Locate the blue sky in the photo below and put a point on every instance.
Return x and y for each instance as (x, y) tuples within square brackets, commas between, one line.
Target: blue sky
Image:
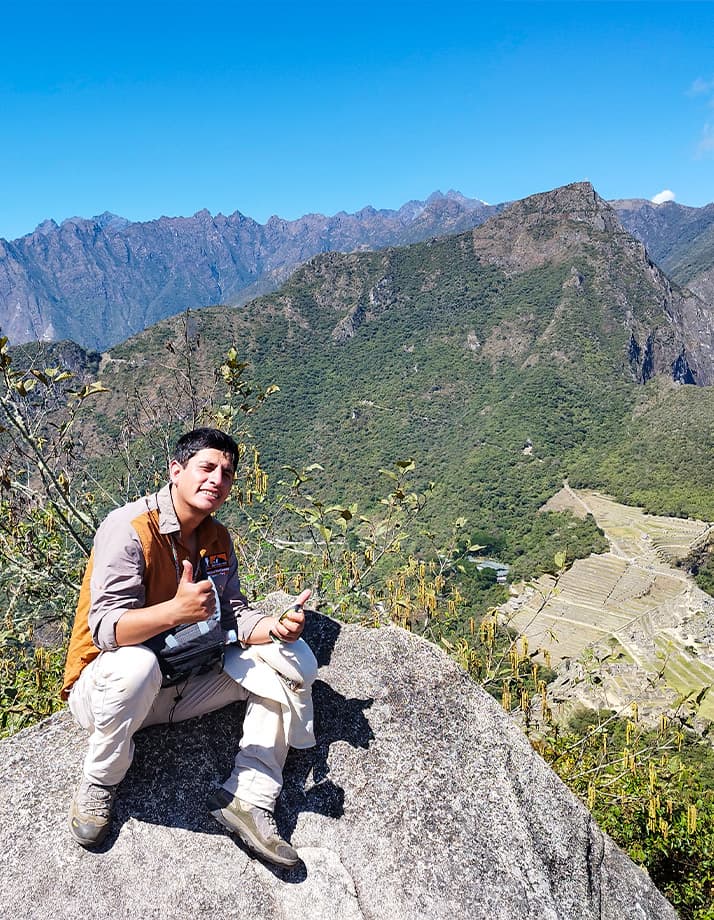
[(157, 108)]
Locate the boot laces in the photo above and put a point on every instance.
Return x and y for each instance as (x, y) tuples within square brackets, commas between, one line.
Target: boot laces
[(265, 822), (95, 800)]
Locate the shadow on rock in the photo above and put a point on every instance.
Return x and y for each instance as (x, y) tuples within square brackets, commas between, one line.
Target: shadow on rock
[(176, 766), (308, 786), (321, 635)]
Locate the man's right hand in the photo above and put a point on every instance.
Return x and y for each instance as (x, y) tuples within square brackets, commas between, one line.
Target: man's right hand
[(193, 601), (196, 600)]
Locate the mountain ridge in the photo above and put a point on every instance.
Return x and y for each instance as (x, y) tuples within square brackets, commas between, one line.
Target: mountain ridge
[(97, 281), (100, 280)]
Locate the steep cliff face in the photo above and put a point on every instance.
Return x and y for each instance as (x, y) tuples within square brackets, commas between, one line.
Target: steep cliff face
[(100, 281), (681, 240), (421, 799)]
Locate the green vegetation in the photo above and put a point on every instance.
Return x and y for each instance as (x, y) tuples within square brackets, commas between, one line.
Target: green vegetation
[(652, 791), (662, 459), (30, 680), (498, 387), (705, 576)]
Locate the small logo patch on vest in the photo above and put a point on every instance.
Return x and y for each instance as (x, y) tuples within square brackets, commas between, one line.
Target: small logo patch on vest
[(217, 564)]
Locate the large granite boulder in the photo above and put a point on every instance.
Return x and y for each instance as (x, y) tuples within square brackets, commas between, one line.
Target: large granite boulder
[(421, 800)]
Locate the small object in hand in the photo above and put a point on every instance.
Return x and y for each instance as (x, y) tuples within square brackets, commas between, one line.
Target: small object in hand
[(283, 616)]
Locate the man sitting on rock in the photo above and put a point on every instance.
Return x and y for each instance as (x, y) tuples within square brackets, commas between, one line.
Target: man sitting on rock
[(163, 633)]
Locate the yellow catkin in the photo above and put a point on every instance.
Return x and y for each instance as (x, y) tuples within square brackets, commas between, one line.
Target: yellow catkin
[(591, 796), (652, 776), (691, 819), (41, 664), (635, 711)]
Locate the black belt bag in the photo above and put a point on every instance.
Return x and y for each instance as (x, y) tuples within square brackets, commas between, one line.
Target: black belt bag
[(193, 648)]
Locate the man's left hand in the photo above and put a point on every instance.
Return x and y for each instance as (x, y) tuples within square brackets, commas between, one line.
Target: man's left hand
[(291, 624)]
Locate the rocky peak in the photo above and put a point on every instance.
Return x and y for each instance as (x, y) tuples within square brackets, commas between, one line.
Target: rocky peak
[(47, 226), (107, 220), (670, 332), (544, 228)]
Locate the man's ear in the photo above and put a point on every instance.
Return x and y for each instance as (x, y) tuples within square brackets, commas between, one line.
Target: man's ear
[(174, 470)]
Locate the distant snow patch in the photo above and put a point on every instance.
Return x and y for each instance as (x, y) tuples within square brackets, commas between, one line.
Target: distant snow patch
[(661, 197)]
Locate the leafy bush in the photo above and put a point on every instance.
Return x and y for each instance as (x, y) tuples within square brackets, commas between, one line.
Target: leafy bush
[(652, 791)]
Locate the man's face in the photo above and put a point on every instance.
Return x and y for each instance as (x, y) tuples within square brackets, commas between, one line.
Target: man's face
[(203, 484)]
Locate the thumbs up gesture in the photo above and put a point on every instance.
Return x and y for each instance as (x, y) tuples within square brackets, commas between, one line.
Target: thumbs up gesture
[(196, 600)]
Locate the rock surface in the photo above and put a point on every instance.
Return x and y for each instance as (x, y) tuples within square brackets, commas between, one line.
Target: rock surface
[(421, 800)]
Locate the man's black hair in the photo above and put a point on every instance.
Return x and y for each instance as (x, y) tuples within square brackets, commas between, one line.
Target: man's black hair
[(190, 443)]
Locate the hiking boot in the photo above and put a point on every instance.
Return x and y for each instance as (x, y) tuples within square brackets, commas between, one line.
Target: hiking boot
[(91, 812), (255, 826)]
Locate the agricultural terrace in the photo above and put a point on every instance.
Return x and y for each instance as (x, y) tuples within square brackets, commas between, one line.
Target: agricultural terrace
[(628, 612)]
